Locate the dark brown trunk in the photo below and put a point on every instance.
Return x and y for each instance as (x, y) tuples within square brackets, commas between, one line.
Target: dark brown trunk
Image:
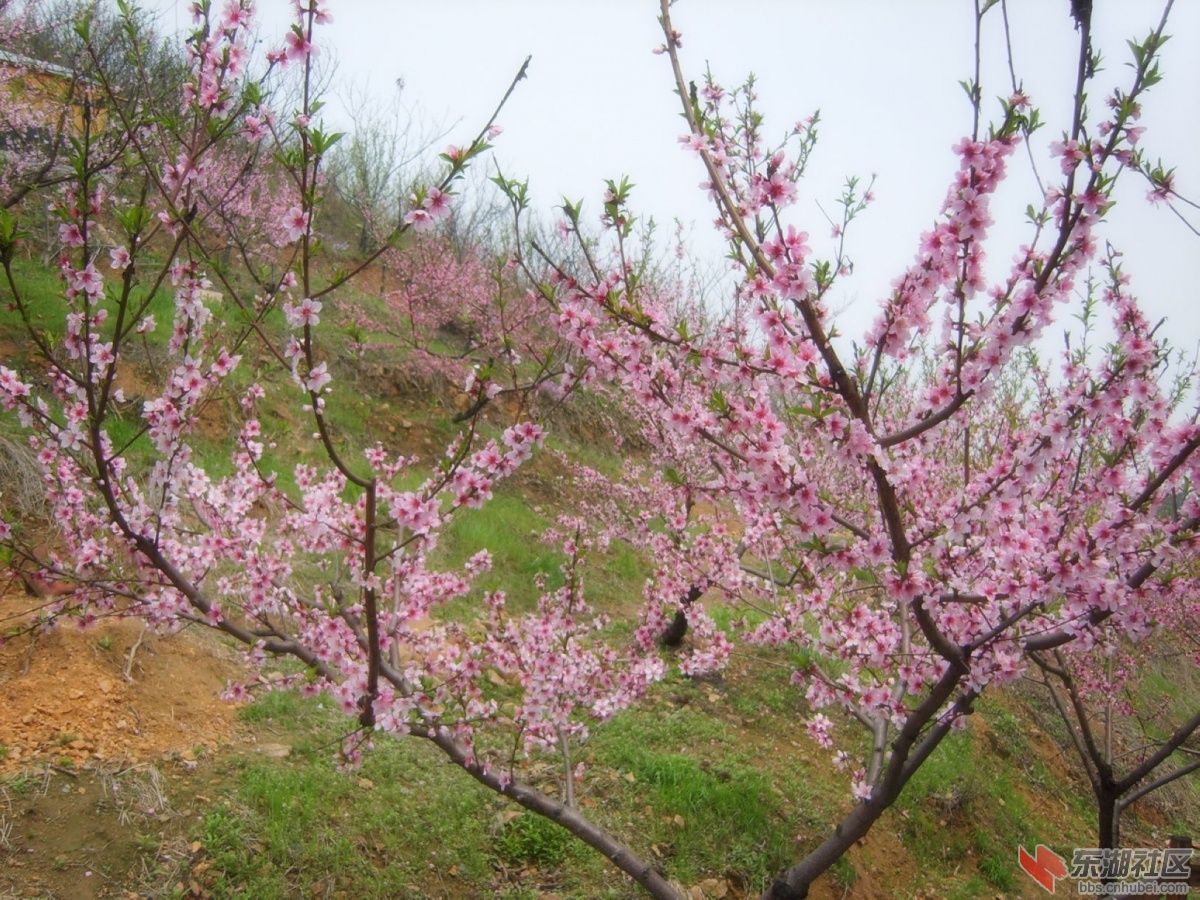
[(675, 632), (1106, 825), (673, 636)]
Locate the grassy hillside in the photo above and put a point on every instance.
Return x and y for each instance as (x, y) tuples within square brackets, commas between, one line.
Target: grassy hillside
[(714, 777)]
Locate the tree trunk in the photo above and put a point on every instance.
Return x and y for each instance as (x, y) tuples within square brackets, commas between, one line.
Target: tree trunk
[(1106, 825), (673, 636), (910, 750), (794, 883)]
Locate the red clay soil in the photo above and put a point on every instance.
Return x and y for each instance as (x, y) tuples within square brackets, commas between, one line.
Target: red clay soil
[(64, 698)]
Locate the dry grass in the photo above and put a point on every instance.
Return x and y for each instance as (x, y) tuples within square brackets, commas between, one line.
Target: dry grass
[(22, 495)]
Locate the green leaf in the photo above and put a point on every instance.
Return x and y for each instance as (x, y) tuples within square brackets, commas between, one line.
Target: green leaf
[(8, 227), (9, 234), (321, 142), (133, 220)]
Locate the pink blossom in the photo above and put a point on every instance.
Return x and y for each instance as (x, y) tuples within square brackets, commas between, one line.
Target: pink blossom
[(437, 203), (298, 47), (255, 128), (70, 234), (295, 223), (1071, 152), (88, 280), (303, 314), (318, 378), (419, 219)]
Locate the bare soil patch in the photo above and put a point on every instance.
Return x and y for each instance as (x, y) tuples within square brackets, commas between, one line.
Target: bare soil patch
[(64, 697), (99, 778)]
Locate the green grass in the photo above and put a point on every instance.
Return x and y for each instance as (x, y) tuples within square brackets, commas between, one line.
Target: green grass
[(509, 530), (297, 826), (42, 292), (620, 574), (673, 781), (1007, 734), (720, 815), (286, 705), (843, 874), (963, 807), (532, 840), (706, 805), (22, 783)]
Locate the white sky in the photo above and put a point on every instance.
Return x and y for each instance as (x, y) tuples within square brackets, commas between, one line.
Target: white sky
[(884, 74)]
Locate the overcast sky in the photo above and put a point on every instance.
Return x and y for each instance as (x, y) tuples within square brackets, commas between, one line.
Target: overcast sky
[(599, 104)]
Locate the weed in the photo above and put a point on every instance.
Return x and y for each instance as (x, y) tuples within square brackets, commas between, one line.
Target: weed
[(223, 832), (972, 888), (66, 738), (1007, 734), (21, 784), (519, 893), (105, 643), (1040, 777), (997, 869), (765, 694), (843, 873), (532, 840), (273, 705)]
